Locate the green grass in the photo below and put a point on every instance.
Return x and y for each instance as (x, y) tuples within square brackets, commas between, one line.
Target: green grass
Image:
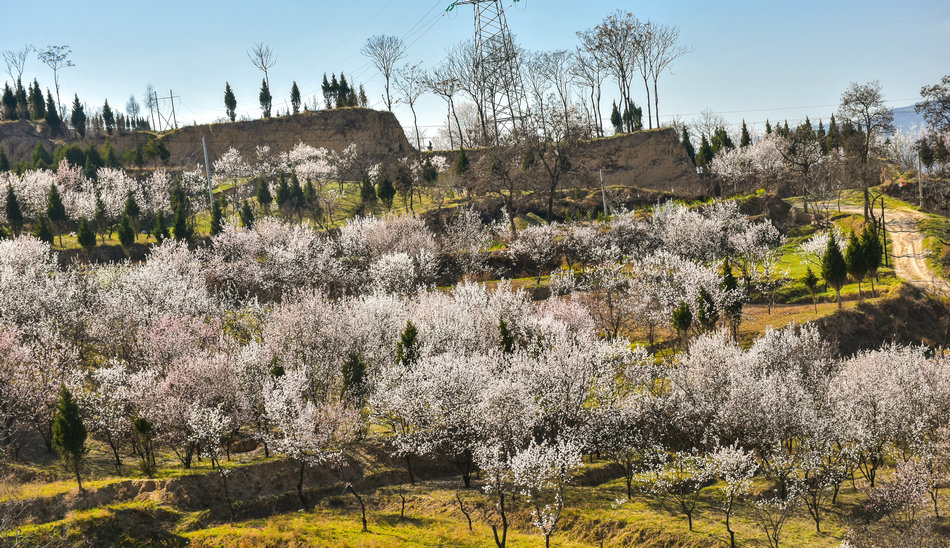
[(936, 230)]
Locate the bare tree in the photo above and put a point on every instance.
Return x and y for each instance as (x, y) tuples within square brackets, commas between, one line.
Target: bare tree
[(644, 47), (410, 83), (707, 123), (864, 106), (461, 64), (151, 102), (16, 61), (590, 71), (538, 86), (556, 67), (263, 58), (132, 108), (57, 57), (665, 49), (617, 37), (385, 51), (441, 82)]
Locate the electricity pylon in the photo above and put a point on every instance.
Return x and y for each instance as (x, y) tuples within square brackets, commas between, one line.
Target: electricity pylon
[(497, 66)]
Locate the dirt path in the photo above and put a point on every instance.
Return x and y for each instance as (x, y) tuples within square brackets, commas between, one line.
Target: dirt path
[(907, 248)]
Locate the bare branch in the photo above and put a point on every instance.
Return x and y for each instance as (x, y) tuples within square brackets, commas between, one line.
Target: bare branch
[(385, 51)]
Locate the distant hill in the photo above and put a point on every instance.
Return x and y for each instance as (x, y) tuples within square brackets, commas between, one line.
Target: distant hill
[(906, 119)]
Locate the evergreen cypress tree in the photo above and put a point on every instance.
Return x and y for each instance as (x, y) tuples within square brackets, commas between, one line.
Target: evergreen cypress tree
[(705, 154), (37, 104), (43, 232), (364, 102), (216, 218), (367, 195), (180, 229), (295, 98), (85, 235), (56, 212), (230, 103), (283, 193), (93, 161), (633, 117), (110, 158), (247, 216), (265, 98), (41, 158), (616, 119), (100, 218), (177, 199), (746, 139), (264, 197), (682, 320), (721, 141), (4, 161), (296, 201), (354, 380), (407, 351), (52, 118), (160, 231), (833, 268), (506, 340), (311, 200), (385, 191), (132, 209), (811, 282), (343, 93), (14, 212), (8, 103), (461, 163), (69, 434), (768, 128), (856, 259), (22, 106), (334, 93), (108, 117), (126, 234), (688, 145), (327, 92), (78, 117), (833, 138)]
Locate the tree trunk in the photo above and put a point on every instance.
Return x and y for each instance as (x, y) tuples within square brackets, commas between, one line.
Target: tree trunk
[(500, 543), (412, 479), (359, 499), (303, 500)]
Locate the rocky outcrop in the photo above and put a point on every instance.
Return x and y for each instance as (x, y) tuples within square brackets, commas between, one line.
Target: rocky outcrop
[(377, 134)]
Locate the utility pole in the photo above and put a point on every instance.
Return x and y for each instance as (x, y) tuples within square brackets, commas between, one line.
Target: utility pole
[(169, 121), (159, 112), (171, 96), (204, 145), (884, 232)]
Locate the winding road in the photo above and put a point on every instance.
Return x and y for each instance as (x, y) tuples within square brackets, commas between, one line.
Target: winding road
[(907, 248)]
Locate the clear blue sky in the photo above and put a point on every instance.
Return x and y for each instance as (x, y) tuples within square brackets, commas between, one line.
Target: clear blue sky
[(752, 60)]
